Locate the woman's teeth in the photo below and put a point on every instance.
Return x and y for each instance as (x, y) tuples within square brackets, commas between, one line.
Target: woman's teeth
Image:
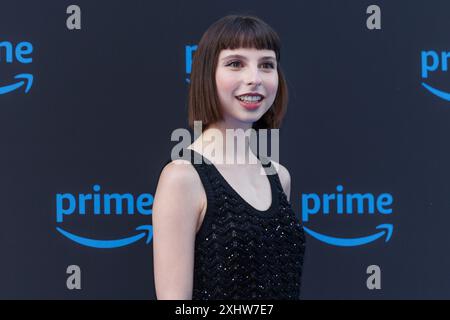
[(249, 98)]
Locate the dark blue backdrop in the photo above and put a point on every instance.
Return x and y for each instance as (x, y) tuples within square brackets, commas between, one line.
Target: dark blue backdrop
[(106, 98)]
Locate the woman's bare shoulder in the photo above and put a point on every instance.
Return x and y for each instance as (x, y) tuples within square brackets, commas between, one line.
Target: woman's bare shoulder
[(180, 173), (179, 170), (180, 181)]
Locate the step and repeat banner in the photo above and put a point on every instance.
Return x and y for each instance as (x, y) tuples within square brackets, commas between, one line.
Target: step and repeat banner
[(90, 92)]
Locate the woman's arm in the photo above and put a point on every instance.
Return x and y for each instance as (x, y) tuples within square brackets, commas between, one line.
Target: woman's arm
[(176, 209)]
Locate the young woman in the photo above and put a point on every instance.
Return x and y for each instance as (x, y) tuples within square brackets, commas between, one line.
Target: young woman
[(226, 231)]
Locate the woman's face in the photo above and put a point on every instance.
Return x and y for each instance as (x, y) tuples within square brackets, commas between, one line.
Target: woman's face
[(249, 74)]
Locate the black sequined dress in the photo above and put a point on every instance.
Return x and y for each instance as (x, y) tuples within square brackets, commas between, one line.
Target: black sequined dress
[(242, 252)]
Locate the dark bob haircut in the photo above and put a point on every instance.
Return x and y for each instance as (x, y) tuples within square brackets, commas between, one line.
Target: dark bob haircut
[(231, 32)]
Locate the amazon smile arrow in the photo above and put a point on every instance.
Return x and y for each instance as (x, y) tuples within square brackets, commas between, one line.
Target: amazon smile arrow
[(27, 79), (441, 94), (352, 242), (147, 230)]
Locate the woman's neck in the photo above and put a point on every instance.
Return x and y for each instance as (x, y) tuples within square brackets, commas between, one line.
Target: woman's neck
[(227, 144)]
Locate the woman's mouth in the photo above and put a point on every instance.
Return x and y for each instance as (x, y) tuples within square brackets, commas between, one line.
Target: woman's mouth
[(250, 102)]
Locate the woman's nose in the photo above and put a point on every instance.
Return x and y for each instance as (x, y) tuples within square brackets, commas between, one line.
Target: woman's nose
[(253, 77)]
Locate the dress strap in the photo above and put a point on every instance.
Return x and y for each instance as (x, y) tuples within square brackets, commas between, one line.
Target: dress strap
[(271, 172)]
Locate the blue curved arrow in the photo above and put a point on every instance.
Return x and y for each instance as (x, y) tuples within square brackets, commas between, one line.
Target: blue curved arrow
[(28, 78), (108, 244), (351, 242), (441, 94)]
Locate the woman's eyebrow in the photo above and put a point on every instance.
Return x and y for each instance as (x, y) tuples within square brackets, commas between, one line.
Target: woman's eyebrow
[(238, 56)]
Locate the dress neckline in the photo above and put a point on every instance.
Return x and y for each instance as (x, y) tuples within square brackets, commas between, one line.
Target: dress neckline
[(270, 177)]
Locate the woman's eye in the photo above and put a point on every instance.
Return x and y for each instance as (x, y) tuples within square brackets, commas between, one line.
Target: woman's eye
[(234, 64), (269, 65)]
